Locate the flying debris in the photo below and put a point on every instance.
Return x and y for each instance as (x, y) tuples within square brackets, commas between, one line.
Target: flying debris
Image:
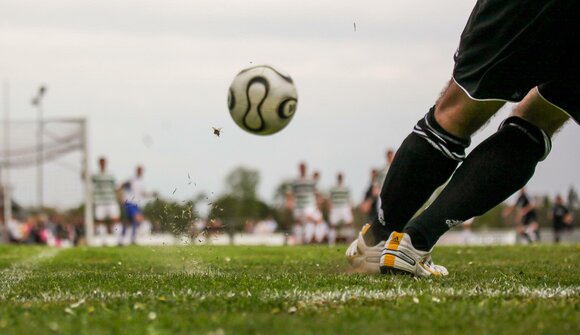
[(216, 131)]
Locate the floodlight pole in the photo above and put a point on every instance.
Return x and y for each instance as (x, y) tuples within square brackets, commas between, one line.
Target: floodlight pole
[(37, 101)]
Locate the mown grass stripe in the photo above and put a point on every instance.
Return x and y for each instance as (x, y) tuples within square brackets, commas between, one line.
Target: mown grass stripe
[(20, 271), (320, 296)]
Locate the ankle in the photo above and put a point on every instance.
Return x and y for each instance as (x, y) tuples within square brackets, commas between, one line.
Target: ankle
[(376, 233), (418, 240)]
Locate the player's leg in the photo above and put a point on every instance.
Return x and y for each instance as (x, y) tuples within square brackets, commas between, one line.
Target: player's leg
[(130, 213), (298, 228), (535, 231), (521, 229), (101, 232), (425, 160), (485, 178), (348, 227), (321, 232), (321, 235), (332, 235), (497, 168), (122, 234), (108, 222), (135, 223), (297, 233), (115, 214), (308, 232), (334, 221), (557, 230), (533, 228), (100, 227), (428, 157)]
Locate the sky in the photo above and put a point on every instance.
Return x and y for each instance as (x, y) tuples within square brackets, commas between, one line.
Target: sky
[(151, 77)]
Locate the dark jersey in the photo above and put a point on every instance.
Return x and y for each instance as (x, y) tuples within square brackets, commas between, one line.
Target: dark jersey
[(559, 213), (522, 202), (373, 214), (369, 193)]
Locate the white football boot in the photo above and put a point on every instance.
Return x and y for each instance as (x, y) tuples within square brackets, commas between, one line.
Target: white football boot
[(363, 258), (399, 256)]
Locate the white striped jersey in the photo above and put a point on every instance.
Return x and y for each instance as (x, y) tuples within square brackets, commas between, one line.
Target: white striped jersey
[(304, 191), (339, 197), (104, 189)]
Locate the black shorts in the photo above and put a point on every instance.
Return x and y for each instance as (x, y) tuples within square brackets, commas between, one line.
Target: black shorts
[(559, 225), (509, 47), (529, 218)]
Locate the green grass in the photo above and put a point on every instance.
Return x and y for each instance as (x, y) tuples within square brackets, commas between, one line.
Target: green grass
[(299, 290)]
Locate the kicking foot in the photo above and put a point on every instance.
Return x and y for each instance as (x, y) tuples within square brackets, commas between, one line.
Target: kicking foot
[(400, 257), (363, 258)]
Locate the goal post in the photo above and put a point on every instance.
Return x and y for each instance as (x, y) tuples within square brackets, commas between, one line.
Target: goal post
[(27, 144)]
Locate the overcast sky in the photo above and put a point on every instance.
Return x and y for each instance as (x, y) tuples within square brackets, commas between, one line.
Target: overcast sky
[(152, 79)]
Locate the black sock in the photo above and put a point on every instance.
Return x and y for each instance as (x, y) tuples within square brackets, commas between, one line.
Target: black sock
[(425, 160), (497, 168)]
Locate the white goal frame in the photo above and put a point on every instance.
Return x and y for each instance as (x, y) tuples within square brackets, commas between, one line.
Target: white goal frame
[(6, 164)]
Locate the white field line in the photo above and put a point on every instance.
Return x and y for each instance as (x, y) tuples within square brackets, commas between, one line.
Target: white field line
[(317, 297), (18, 272), (198, 268)]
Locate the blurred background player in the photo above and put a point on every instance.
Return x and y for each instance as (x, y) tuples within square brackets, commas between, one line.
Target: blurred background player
[(301, 199), (382, 173), (380, 180), (107, 212), (527, 225), (573, 199), (321, 201), (561, 218), (368, 206), (340, 218), (134, 196), (321, 228)]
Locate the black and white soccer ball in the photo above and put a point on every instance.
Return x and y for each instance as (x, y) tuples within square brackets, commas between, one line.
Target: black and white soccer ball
[(262, 99)]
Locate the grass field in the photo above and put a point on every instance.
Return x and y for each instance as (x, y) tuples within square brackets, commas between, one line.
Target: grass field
[(299, 290)]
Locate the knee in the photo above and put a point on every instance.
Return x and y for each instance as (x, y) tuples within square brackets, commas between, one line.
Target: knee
[(541, 113), (461, 115)]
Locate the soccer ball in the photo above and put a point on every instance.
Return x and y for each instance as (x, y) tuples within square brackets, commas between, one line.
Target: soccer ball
[(262, 100)]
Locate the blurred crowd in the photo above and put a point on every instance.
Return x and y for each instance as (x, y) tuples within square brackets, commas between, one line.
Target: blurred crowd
[(308, 214), (44, 229)]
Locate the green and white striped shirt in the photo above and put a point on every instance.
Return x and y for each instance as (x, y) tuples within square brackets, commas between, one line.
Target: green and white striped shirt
[(104, 189), (304, 191), (339, 197)]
